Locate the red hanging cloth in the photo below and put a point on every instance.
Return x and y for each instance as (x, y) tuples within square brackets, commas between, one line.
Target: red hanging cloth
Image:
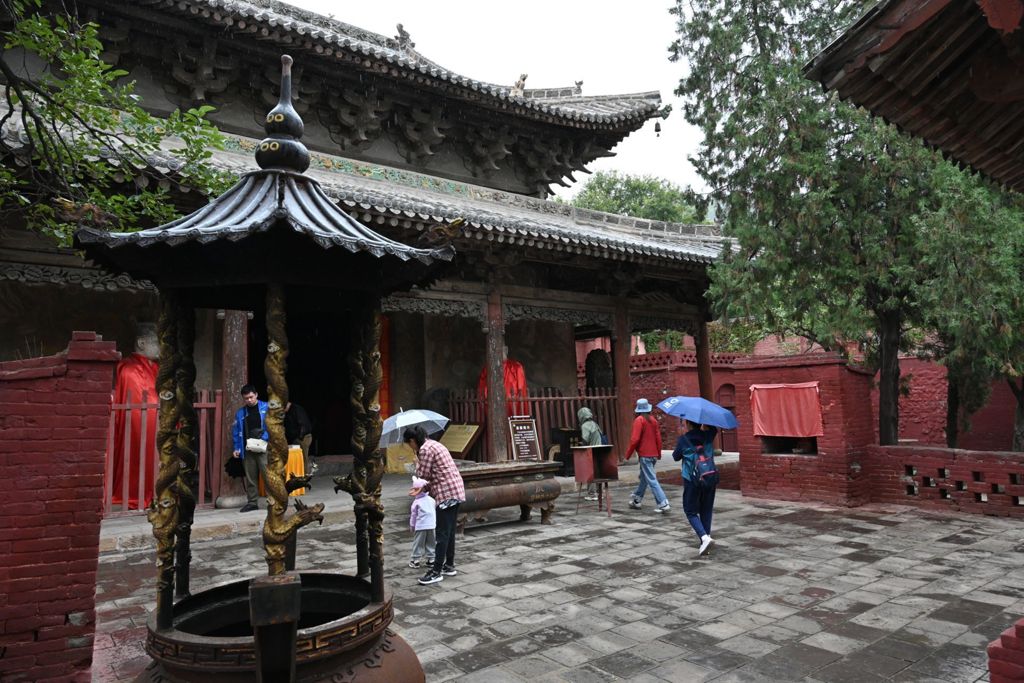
[(136, 374), (786, 409), (515, 386)]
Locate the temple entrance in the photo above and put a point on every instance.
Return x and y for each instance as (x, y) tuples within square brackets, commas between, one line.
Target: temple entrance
[(318, 378)]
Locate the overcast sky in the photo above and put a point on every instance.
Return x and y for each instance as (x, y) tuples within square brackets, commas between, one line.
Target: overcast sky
[(613, 47)]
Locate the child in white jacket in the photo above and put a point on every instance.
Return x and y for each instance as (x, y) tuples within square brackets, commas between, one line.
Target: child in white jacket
[(422, 522)]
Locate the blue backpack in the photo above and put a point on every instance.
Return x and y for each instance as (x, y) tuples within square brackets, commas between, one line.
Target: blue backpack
[(703, 473)]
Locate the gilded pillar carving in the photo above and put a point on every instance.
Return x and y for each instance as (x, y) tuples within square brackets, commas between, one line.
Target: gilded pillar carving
[(185, 446), (364, 483), (163, 512), (277, 529)]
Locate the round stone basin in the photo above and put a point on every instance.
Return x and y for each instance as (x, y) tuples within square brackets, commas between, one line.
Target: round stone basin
[(339, 628)]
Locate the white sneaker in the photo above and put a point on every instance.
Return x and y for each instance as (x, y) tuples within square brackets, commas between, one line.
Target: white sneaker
[(705, 544), (590, 496), (663, 508), (634, 503)]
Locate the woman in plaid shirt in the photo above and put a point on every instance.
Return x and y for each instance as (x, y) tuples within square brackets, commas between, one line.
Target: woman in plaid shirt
[(434, 463)]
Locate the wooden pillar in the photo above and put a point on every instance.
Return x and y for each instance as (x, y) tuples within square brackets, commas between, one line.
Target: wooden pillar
[(621, 351), (704, 381), (497, 412), (234, 374)]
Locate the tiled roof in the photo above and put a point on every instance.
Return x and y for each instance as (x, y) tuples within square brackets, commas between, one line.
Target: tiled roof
[(491, 215), (294, 26)]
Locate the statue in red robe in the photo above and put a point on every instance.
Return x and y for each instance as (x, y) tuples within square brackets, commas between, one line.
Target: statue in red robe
[(515, 386), (135, 379)]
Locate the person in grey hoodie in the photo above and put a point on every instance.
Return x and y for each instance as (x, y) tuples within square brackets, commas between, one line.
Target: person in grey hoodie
[(590, 435)]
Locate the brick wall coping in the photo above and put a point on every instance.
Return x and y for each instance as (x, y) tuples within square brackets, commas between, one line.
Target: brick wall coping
[(924, 450), (84, 346), (755, 362)]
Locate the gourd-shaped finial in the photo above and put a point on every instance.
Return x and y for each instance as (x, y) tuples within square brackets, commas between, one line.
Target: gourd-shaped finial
[(281, 149)]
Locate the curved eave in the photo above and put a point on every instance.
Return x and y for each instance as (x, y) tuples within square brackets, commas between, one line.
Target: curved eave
[(258, 201)]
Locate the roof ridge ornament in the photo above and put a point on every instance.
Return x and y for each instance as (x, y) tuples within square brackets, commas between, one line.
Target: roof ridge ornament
[(282, 148)]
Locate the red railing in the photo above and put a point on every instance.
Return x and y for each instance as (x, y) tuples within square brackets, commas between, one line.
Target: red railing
[(137, 465), (547, 406)]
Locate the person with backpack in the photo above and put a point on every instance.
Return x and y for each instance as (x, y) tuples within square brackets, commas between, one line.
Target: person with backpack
[(645, 441), (700, 478)]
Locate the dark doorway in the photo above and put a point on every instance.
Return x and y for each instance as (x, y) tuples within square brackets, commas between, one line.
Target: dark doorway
[(318, 377)]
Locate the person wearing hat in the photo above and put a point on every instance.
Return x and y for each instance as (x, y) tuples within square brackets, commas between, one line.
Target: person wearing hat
[(645, 441), (422, 522)]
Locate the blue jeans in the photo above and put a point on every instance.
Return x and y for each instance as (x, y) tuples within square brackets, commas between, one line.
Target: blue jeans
[(698, 503), (647, 478)]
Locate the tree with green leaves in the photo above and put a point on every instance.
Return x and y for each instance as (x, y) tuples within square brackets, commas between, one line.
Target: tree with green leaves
[(821, 197), (973, 297), (639, 196), (71, 124)]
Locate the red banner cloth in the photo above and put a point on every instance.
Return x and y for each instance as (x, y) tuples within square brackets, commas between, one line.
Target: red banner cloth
[(786, 409)]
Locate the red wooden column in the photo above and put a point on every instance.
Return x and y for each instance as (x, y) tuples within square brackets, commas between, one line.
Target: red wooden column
[(704, 381), (497, 423), (234, 374), (621, 351)]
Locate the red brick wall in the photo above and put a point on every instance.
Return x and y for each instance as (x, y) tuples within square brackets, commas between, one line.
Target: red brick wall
[(53, 422), (836, 474), (982, 482), (923, 410), (1006, 655)]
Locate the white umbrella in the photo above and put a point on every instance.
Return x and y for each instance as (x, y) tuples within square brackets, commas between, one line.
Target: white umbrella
[(395, 426)]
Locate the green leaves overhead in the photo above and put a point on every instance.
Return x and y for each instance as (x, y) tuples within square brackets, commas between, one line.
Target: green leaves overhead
[(75, 135)]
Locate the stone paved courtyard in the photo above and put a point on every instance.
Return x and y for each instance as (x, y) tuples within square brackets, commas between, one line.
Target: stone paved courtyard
[(791, 592)]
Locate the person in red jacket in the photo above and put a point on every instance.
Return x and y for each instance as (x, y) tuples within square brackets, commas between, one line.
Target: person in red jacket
[(645, 441)]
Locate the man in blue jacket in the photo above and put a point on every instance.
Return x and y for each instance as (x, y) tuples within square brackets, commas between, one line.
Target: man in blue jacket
[(250, 429)]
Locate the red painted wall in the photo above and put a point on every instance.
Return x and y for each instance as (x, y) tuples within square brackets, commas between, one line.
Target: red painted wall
[(923, 410), (53, 419)]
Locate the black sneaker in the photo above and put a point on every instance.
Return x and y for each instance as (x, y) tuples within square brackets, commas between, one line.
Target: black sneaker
[(248, 507), (448, 571), (431, 577)]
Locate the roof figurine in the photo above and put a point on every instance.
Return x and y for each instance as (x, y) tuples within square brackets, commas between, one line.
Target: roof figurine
[(519, 87)]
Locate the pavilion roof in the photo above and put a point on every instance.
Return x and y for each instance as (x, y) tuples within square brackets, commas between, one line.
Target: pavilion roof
[(292, 27), (939, 71)]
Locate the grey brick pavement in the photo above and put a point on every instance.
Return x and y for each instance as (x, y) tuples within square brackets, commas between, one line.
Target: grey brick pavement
[(791, 592)]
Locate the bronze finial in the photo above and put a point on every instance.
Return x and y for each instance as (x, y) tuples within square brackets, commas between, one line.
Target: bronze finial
[(281, 149)]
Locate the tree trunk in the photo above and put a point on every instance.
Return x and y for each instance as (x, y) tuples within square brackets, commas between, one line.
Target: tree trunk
[(890, 325), (952, 410), (1017, 387)]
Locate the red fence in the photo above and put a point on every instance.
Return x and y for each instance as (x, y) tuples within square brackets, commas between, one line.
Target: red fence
[(546, 406), (130, 468)]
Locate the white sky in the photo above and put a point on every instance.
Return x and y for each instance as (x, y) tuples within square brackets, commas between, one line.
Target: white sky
[(614, 47)]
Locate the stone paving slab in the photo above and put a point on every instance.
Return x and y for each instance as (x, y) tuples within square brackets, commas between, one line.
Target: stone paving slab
[(790, 592)]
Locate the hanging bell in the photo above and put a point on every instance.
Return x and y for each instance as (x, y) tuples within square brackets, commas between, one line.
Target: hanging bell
[(657, 129)]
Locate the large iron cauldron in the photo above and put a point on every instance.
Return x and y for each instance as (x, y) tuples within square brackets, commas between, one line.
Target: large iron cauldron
[(342, 637)]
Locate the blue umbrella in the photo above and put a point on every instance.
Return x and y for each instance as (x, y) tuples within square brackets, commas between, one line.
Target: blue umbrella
[(698, 411)]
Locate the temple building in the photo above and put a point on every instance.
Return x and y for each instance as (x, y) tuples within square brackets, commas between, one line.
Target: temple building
[(422, 155)]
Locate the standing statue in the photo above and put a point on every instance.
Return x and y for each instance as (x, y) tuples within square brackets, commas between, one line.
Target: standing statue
[(135, 378)]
